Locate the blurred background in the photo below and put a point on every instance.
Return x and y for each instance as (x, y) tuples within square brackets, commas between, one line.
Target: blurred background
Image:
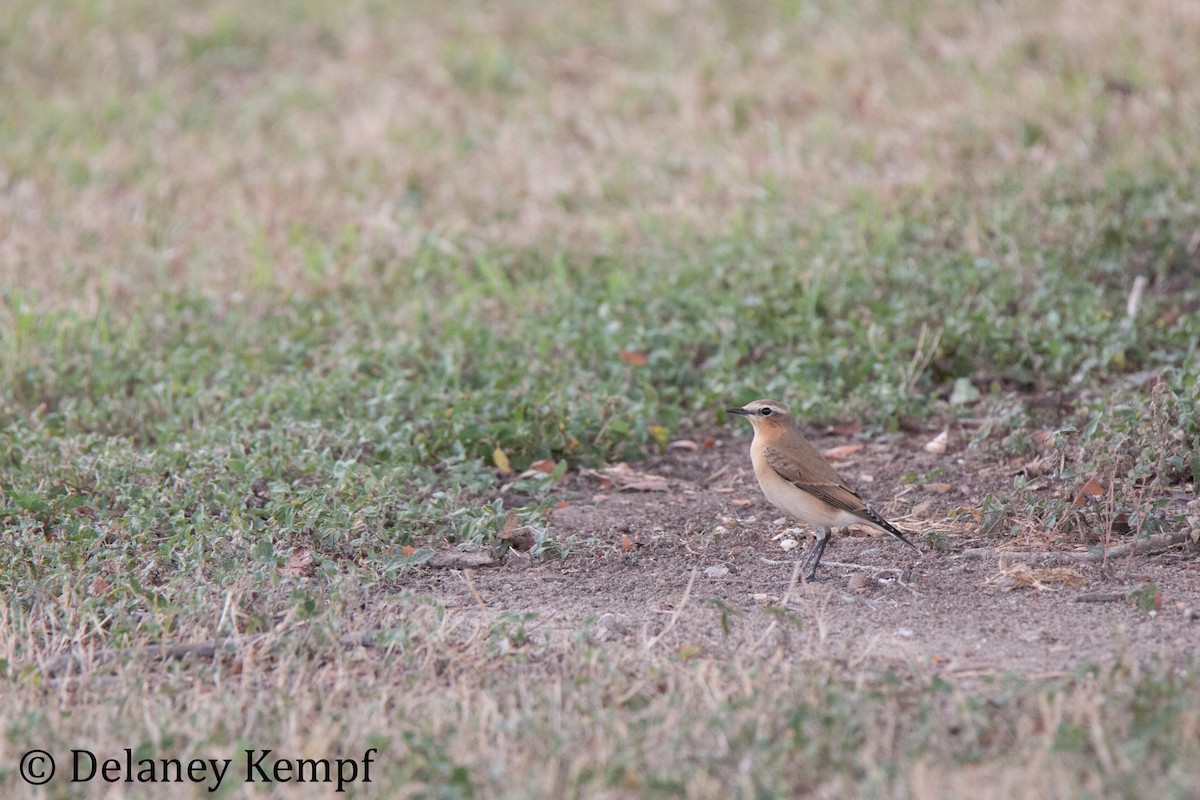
[(218, 147)]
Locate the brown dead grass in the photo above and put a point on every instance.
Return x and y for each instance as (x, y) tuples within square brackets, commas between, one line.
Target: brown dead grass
[(228, 148)]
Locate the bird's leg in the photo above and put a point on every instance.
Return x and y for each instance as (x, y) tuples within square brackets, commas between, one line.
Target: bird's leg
[(814, 555)]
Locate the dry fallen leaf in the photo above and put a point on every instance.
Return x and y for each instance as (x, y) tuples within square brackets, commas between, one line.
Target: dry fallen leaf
[(1039, 466), (1093, 488), (299, 563), (500, 459), (842, 452), (1043, 438), (682, 444), (627, 480), (99, 587), (937, 445), (1023, 576), (976, 514), (544, 467), (626, 544), (519, 540), (407, 550), (634, 358), (709, 443), (740, 502), (937, 488)]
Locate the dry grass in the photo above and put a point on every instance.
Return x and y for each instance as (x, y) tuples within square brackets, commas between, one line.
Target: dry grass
[(231, 147), (468, 703)]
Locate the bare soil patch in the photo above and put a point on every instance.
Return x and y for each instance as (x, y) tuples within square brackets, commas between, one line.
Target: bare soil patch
[(951, 612)]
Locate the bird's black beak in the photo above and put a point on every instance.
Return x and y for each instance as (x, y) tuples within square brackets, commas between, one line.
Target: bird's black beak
[(741, 411)]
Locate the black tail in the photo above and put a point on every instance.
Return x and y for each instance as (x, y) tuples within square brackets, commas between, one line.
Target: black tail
[(870, 515)]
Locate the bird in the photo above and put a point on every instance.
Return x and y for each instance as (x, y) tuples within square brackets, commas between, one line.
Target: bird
[(797, 480)]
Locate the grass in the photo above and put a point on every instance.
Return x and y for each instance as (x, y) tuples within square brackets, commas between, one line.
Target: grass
[(614, 720), (287, 281)]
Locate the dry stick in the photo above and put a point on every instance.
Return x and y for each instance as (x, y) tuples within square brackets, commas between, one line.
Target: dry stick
[(683, 601), (1101, 597), (1155, 544), (466, 576), (74, 663), (791, 584), (851, 565), (716, 475), (484, 617)]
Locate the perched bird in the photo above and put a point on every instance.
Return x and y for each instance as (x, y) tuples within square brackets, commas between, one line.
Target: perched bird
[(798, 480)]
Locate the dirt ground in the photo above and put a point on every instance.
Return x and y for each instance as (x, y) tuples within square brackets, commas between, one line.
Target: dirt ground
[(952, 611)]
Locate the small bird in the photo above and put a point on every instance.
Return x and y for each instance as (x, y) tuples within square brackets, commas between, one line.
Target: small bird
[(798, 480)]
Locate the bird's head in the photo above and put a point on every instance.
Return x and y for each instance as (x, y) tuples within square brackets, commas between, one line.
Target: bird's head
[(765, 414)]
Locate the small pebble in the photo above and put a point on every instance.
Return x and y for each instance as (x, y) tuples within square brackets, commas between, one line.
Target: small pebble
[(718, 571)]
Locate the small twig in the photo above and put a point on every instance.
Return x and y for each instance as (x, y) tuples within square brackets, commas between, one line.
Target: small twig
[(791, 587), (683, 601), (1157, 543), (1049, 557), (466, 576), (851, 565), (1154, 544), (716, 475), (74, 663), (1101, 597)]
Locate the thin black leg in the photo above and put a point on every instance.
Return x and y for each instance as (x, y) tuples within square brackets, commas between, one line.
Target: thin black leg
[(814, 555)]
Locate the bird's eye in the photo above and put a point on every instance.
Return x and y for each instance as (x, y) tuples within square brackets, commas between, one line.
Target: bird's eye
[(766, 412)]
